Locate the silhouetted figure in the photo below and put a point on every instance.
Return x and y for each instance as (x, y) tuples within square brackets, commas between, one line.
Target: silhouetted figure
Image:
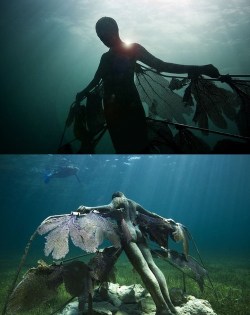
[(123, 109), (61, 172), (134, 243)]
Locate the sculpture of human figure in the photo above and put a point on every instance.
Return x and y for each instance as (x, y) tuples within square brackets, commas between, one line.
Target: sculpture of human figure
[(123, 109), (125, 211)]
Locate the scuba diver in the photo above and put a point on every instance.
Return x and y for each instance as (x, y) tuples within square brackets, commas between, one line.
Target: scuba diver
[(123, 110), (127, 214), (60, 172)]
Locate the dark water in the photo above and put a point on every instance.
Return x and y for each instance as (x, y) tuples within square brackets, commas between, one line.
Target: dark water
[(208, 194)]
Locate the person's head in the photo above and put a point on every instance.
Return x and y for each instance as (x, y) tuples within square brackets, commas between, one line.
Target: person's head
[(118, 194), (107, 30), (119, 200)]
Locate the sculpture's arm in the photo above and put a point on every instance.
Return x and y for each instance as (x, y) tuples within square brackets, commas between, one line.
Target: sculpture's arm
[(106, 211), (161, 66), (179, 232), (141, 210), (102, 209)]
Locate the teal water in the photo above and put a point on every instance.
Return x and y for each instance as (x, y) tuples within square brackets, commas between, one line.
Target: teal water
[(208, 194)]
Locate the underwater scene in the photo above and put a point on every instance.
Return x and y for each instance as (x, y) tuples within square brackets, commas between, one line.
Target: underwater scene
[(192, 212), (179, 70)]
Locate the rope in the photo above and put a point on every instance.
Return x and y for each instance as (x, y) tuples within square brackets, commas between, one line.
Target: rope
[(199, 255), (76, 257), (176, 266), (209, 79), (201, 129), (66, 125)]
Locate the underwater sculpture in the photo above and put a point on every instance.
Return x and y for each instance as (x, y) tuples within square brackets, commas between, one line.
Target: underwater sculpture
[(122, 104), (168, 129), (115, 101), (127, 225)]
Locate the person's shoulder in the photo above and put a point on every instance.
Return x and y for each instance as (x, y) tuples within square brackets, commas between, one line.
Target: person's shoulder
[(134, 203), (137, 48), (104, 55), (104, 58)]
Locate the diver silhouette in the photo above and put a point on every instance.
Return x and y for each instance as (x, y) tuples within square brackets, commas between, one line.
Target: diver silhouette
[(61, 172), (123, 110), (126, 212)]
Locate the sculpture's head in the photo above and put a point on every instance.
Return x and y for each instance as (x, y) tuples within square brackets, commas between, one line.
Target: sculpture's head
[(119, 200), (118, 194), (107, 30)]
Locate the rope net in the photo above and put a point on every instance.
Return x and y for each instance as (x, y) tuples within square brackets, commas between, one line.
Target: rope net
[(183, 114)]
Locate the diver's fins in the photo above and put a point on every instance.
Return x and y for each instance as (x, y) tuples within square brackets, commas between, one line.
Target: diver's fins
[(47, 178), (78, 179)]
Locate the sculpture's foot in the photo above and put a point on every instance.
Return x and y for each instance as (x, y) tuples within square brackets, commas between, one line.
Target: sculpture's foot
[(172, 309), (164, 312)]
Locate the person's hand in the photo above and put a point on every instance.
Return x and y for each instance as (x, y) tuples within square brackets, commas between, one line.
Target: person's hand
[(80, 96), (117, 213), (82, 209), (210, 71), (170, 221), (76, 213)]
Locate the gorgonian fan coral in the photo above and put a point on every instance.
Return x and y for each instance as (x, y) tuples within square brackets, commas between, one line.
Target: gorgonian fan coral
[(86, 232)]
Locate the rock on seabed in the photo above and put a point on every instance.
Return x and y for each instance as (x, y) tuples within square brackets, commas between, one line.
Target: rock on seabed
[(134, 300), (195, 307)]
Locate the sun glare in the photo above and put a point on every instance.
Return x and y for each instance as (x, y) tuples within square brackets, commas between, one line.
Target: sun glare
[(127, 42)]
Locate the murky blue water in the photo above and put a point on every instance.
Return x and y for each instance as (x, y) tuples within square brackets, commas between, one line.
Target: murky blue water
[(208, 194)]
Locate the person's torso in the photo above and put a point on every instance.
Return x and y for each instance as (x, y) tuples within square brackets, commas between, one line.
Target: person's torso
[(118, 67), (129, 214)]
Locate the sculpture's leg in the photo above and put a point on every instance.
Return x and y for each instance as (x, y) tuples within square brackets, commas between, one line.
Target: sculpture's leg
[(81, 303), (158, 274), (139, 263)]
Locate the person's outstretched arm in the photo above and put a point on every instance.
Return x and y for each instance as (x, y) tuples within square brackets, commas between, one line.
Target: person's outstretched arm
[(144, 56), (106, 211), (102, 209), (141, 210), (178, 231)]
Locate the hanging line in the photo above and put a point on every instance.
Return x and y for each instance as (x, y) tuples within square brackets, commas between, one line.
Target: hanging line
[(12, 286), (178, 268), (209, 79), (69, 120), (202, 263), (71, 259), (200, 129), (66, 124)]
